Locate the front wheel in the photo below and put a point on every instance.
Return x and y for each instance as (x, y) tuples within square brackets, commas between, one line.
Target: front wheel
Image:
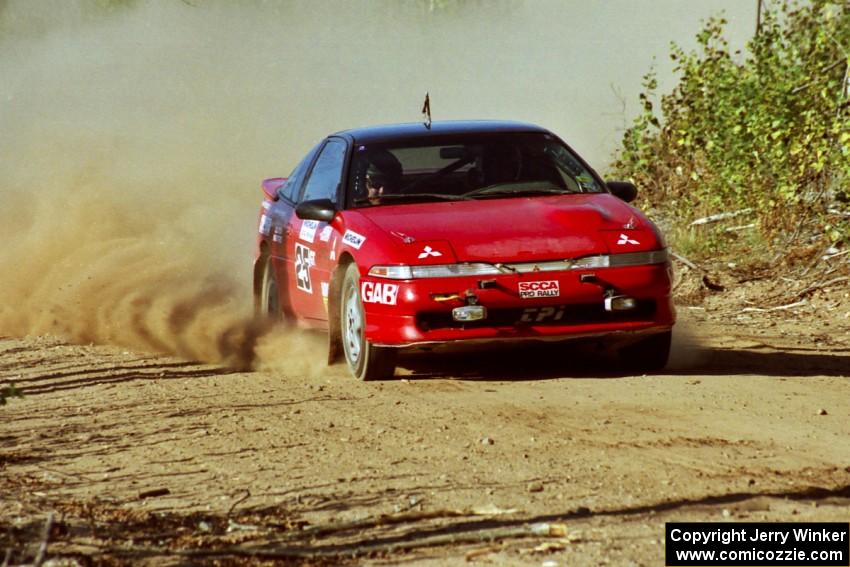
[(366, 361)]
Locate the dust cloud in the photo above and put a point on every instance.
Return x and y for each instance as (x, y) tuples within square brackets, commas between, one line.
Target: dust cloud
[(123, 215), (134, 135)]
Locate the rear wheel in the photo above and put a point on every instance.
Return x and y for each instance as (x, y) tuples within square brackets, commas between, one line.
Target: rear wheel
[(649, 354), (268, 304), (366, 361)]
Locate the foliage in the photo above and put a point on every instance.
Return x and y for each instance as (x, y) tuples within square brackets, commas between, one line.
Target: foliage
[(769, 130), (9, 392)]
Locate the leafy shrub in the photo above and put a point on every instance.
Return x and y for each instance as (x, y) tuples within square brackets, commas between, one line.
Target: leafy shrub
[(9, 392), (769, 130)]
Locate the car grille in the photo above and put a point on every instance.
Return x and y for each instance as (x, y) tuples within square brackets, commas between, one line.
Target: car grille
[(551, 315)]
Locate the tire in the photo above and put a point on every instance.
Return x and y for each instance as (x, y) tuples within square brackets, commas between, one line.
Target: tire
[(268, 305), (366, 361), (649, 354)]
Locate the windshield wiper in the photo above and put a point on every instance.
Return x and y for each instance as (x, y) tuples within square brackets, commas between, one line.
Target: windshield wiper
[(412, 197), (517, 189)]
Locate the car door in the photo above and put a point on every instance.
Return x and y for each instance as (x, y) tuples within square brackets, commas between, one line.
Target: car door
[(309, 241), (277, 220)]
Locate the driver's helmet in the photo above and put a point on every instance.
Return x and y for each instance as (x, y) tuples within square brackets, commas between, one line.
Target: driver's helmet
[(384, 170)]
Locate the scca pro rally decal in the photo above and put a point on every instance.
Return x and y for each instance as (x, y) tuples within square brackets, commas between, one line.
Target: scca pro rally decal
[(353, 239), (377, 292), (304, 258), (529, 290)]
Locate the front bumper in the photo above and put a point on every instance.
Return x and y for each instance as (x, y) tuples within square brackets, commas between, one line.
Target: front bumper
[(570, 305)]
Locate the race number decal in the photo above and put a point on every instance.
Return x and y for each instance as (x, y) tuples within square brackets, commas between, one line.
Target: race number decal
[(384, 293), (528, 290), (303, 257)]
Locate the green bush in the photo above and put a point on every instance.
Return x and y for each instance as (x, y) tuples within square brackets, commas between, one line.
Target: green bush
[(9, 392), (769, 130)]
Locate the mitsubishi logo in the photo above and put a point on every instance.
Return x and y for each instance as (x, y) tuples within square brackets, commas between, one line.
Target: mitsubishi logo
[(626, 240), (428, 251)]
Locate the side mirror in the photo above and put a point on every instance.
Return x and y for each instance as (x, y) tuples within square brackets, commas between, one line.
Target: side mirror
[(318, 209), (271, 187), (623, 190)]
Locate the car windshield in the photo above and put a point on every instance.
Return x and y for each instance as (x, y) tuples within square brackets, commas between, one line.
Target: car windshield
[(463, 168)]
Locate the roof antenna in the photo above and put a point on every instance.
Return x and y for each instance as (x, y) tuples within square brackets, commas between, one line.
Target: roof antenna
[(426, 110)]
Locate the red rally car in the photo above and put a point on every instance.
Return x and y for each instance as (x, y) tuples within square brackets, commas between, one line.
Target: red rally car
[(408, 235)]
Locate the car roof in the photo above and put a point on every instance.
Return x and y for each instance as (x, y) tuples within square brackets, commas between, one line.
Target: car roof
[(418, 130)]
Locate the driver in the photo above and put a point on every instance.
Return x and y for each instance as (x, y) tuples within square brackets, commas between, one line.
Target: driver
[(375, 183), (383, 175)]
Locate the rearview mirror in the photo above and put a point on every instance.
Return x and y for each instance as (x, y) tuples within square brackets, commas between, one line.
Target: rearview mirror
[(623, 190), (317, 209)]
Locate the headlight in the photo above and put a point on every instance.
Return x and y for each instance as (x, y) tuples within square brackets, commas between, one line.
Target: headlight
[(640, 258), (455, 270), (482, 269), (391, 272), (590, 262)]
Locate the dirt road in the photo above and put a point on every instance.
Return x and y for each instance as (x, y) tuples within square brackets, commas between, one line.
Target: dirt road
[(750, 422)]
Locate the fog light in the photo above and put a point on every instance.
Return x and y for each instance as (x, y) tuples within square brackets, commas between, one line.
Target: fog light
[(469, 313), (620, 303)]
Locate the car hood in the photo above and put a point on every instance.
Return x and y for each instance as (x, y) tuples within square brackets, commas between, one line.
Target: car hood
[(517, 229)]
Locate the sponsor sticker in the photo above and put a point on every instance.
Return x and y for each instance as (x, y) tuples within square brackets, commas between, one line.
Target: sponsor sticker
[(353, 239), (325, 286), (624, 239), (530, 290), (308, 230), (278, 234), (586, 181), (325, 235), (542, 314), (379, 292), (265, 225), (302, 268)]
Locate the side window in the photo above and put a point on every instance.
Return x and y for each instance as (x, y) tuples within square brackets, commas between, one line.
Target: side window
[(326, 174), (296, 178)]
